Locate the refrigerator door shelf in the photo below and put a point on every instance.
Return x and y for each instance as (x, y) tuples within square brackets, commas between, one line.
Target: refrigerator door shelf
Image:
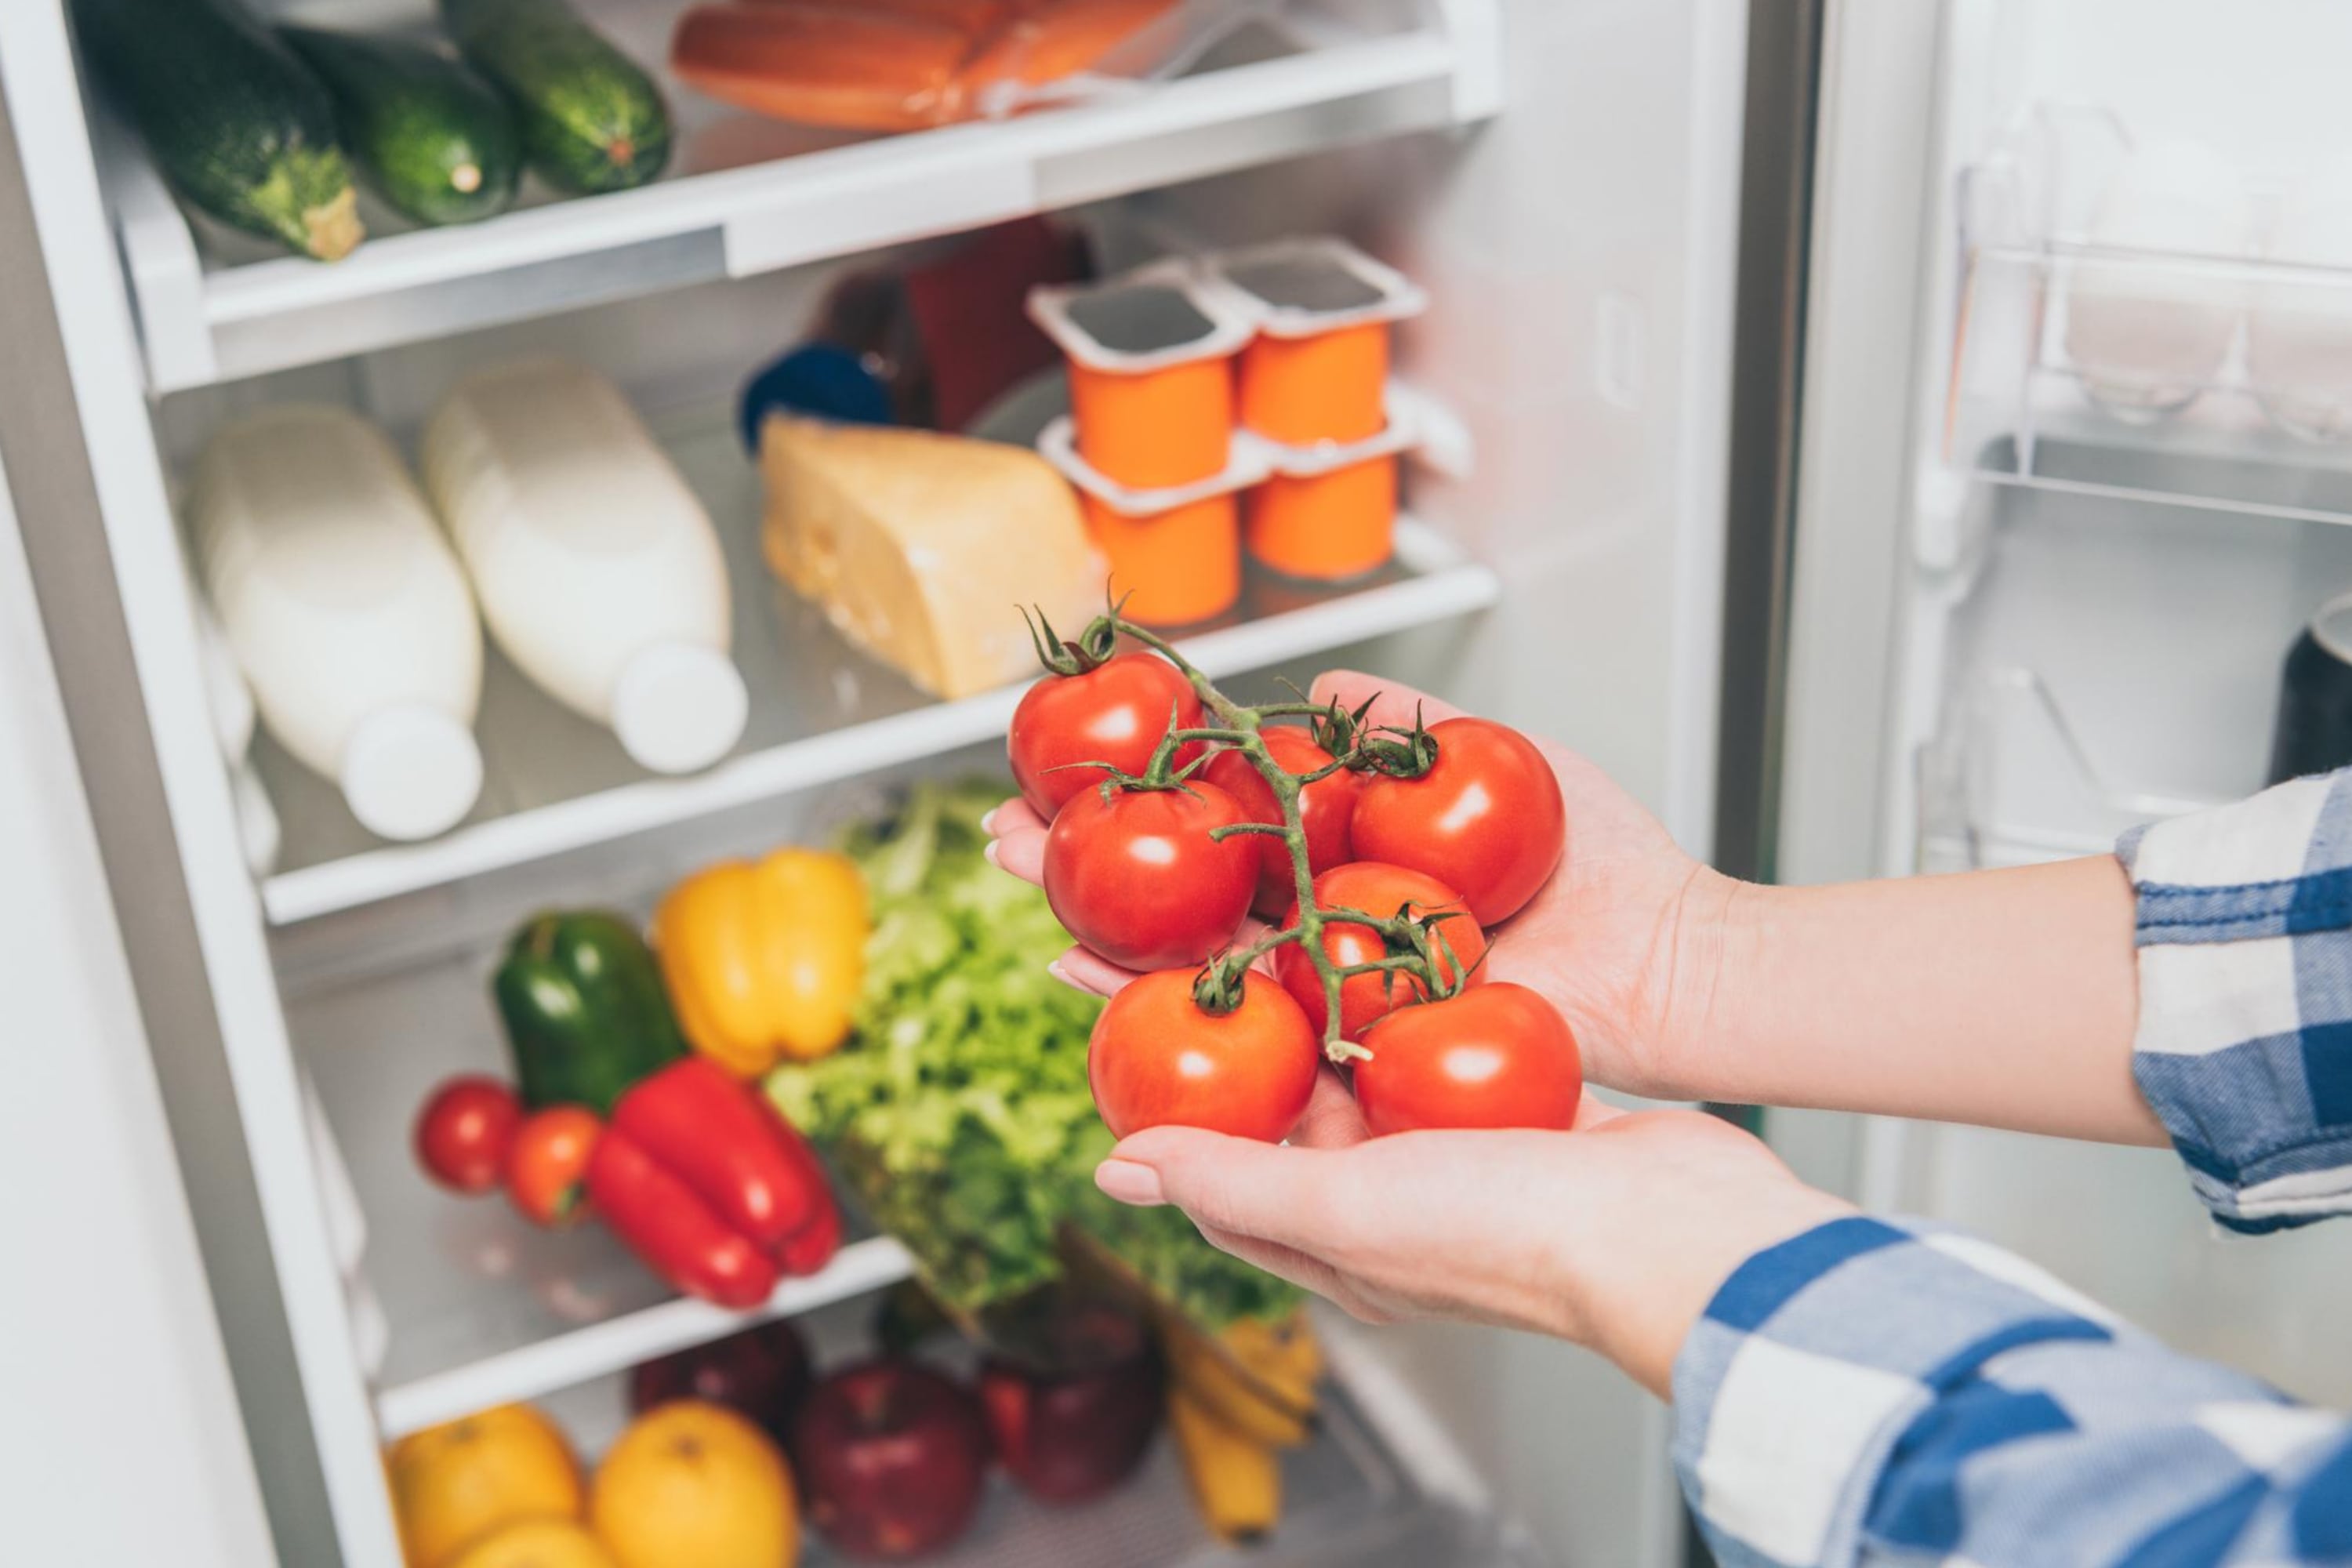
[(2156, 308), (745, 195), (2111, 661), (820, 713)]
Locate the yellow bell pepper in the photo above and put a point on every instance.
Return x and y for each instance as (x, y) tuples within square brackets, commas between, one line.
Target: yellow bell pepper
[(763, 959)]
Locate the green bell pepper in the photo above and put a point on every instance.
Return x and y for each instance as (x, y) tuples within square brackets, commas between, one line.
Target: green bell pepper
[(585, 1012)]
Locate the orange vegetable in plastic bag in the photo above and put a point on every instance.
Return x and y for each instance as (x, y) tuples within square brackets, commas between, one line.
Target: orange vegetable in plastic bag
[(893, 65), (1050, 39), (866, 70)]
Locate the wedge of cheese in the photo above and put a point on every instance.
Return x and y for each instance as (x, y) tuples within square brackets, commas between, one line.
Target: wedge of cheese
[(924, 548)]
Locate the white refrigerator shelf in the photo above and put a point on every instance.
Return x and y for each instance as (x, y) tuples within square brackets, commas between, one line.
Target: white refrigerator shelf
[(475, 1305), (616, 1344), (1349, 1498), (747, 195), (821, 713)]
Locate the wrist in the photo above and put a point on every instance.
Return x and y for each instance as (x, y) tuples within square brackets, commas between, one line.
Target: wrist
[(1707, 949), (1639, 1308)]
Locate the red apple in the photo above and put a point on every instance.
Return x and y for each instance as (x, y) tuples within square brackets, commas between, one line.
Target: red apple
[(1072, 1392), (762, 1375), (890, 1458)]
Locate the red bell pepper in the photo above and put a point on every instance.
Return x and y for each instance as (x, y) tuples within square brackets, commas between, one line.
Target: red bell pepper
[(711, 1188)]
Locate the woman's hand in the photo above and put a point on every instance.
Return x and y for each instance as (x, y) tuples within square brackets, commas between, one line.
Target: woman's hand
[(1626, 939), (1614, 1235)]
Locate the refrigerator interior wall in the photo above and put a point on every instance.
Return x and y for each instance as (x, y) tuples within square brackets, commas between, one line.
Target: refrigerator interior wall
[(1580, 251), (2115, 537)]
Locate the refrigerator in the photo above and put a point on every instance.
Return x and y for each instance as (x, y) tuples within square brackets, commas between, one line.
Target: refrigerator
[(1769, 464)]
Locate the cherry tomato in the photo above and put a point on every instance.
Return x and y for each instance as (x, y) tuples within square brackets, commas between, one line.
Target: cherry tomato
[(1486, 817), (1158, 1060), (1137, 877), (1116, 712), (464, 1132), (1375, 890), (1493, 1055), (546, 1171), (1325, 808)]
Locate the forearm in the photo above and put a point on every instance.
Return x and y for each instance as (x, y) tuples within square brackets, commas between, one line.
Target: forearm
[(2002, 998)]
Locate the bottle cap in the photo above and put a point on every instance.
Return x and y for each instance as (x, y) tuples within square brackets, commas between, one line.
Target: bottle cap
[(411, 771), (679, 707)]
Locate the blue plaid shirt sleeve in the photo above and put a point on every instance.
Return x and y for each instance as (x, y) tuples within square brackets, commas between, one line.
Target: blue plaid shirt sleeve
[(1877, 1393), (2245, 1031)]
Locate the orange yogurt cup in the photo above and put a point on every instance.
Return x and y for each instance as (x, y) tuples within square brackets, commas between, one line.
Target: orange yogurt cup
[(1152, 378)]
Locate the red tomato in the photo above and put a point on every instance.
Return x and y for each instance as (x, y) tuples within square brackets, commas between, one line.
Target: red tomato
[(1324, 810), (1486, 816), (1375, 890), (1158, 1060), (547, 1169), (464, 1132), (1116, 712), (1494, 1056), (1137, 877)]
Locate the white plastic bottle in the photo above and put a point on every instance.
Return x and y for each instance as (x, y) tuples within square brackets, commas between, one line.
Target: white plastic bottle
[(346, 611), (598, 571)]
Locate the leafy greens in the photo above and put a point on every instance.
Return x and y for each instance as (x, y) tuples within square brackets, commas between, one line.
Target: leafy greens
[(959, 1108)]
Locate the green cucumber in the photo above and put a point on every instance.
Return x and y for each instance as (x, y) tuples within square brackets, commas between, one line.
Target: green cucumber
[(433, 137), (237, 125), (591, 121)]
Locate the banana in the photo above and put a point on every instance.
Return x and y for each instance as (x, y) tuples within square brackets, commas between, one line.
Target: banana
[(1236, 1483), (1215, 1380), (1285, 1356)]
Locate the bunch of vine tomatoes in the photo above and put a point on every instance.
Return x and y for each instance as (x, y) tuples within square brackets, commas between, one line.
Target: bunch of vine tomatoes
[(1177, 817)]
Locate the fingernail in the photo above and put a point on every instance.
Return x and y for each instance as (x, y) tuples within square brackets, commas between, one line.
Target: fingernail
[(988, 822), (1130, 1182), (989, 851), (1062, 975)]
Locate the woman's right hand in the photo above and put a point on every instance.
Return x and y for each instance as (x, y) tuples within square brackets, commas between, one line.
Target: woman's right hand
[(1626, 939), (1614, 1235)]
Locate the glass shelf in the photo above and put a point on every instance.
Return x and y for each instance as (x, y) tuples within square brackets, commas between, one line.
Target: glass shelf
[(2145, 321)]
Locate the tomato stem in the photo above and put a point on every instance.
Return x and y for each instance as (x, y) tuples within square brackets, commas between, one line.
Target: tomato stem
[(1417, 949)]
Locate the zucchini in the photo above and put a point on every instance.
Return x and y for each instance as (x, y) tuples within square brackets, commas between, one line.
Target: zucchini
[(434, 139), (236, 124), (591, 121)]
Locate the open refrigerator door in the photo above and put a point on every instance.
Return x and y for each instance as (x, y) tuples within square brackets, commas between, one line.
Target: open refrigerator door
[(2119, 474)]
